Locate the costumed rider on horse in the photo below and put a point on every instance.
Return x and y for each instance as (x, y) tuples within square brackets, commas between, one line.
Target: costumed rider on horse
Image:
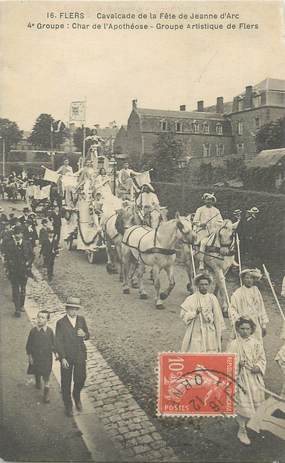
[(206, 222), (147, 201)]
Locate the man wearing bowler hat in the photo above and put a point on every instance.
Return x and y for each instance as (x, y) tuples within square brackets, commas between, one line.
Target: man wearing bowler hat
[(70, 334)]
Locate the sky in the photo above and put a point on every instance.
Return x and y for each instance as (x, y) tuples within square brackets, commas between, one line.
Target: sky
[(43, 71)]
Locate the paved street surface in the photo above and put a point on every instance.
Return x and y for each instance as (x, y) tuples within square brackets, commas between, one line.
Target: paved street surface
[(126, 335)]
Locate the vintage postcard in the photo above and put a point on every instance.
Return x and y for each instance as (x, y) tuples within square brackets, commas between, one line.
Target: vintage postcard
[(142, 231)]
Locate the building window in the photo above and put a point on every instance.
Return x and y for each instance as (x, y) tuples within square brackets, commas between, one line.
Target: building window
[(206, 150), (220, 149), (206, 128), (240, 104), (240, 148), (240, 128), (178, 126), (219, 129), (257, 123), (195, 127), (256, 100), (163, 126)]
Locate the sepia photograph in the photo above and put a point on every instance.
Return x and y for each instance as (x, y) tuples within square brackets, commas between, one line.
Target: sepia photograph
[(142, 231)]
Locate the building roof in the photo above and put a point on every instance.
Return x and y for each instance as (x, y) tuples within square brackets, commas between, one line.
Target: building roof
[(271, 84), (267, 158), (178, 114), (227, 107)]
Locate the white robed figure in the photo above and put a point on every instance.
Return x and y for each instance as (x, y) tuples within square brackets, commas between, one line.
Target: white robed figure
[(206, 222), (125, 181), (247, 302), (201, 312), (251, 364)]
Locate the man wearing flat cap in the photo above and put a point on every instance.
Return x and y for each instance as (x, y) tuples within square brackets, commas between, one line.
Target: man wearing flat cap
[(70, 334)]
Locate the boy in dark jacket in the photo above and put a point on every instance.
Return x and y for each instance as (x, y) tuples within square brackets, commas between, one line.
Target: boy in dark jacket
[(40, 348)]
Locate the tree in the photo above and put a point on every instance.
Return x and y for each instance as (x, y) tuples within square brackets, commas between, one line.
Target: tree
[(47, 133), (78, 138), (168, 151), (271, 135), (10, 133)]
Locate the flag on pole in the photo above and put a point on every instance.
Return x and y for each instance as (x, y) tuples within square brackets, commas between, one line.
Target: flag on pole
[(77, 111), (51, 175)]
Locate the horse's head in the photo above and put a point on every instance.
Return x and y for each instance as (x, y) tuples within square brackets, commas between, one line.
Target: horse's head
[(226, 233), (185, 231), (128, 215)]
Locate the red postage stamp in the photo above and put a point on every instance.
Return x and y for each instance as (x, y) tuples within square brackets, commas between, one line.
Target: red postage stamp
[(196, 384)]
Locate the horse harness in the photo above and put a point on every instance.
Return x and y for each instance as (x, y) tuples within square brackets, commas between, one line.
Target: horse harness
[(215, 248), (154, 249)]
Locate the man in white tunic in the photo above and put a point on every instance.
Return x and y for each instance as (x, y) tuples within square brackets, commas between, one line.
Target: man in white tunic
[(201, 312), (247, 302), (65, 169), (207, 220), (125, 181)]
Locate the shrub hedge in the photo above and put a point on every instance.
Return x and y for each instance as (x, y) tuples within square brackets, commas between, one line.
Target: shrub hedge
[(267, 242)]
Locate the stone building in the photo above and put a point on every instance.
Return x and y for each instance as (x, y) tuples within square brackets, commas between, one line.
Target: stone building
[(208, 134)]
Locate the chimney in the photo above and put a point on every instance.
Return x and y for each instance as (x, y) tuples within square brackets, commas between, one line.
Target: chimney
[(200, 106), (248, 97), (182, 107), (135, 104), (220, 105)]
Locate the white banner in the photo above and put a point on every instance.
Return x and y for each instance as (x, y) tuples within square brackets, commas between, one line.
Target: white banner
[(77, 111), (143, 178), (43, 193), (69, 181), (51, 175)]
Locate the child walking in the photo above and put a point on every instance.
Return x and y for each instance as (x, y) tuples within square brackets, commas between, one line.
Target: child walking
[(40, 347), (251, 368)]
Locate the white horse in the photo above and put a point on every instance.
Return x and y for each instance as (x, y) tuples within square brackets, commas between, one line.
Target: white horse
[(219, 256), (114, 226), (142, 245)]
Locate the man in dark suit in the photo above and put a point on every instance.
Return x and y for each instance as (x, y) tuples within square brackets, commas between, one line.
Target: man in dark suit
[(18, 261), (70, 334), (49, 251), (55, 217)]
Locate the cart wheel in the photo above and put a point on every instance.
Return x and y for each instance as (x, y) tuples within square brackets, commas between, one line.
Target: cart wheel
[(91, 257)]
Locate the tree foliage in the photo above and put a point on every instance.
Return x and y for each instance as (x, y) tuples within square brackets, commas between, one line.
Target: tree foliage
[(43, 137), (10, 133), (168, 152), (271, 135), (78, 138)]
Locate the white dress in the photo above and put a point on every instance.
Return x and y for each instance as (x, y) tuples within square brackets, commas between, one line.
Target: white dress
[(248, 303), (204, 330), (249, 391)]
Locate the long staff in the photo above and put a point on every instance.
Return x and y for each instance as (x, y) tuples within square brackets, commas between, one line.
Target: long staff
[(200, 315), (239, 258), (273, 292), (239, 349)]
